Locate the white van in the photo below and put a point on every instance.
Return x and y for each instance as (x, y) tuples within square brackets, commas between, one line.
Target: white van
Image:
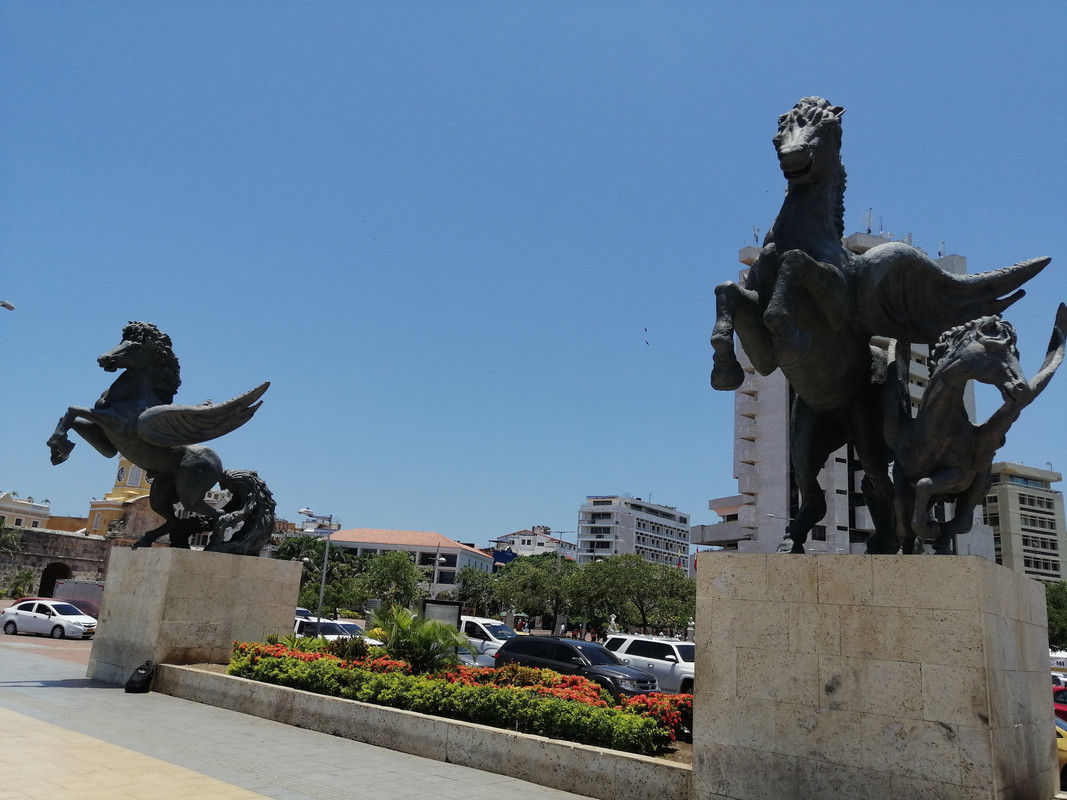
[(488, 633)]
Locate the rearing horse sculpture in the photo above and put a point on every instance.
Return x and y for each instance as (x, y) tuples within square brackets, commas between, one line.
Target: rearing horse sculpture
[(135, 417), (941, 454), (810, 308)]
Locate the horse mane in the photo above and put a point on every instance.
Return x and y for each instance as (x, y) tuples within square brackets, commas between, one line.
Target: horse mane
[(165, 363), (955, 339), (818, 112)]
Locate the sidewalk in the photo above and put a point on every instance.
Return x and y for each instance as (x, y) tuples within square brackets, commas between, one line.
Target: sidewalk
[(64, 736)]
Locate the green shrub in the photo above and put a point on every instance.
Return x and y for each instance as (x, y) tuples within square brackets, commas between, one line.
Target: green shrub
[(520, 708), (349, 649)]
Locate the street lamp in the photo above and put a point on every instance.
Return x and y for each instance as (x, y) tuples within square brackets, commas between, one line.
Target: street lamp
[(325, 561)]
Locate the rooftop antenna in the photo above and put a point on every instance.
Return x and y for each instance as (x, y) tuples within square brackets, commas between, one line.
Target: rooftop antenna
[(941, 252), (868, 218), (755, 236)]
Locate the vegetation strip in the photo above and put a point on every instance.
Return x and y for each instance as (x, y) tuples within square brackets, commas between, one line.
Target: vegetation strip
[(526, 700)]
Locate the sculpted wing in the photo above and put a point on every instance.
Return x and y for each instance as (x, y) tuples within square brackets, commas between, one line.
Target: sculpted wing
[(905, 295), (174, 425)]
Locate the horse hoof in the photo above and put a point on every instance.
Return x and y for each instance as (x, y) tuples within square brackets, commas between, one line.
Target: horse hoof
[(727, 378), (880, 548), (798, 548), (60, 450)]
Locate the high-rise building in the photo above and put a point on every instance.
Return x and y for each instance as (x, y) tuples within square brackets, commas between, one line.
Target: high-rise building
[(1027, 518), (756, 518), (614, 525)]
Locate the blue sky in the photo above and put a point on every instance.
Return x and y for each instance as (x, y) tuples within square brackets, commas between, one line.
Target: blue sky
[(446, 231)]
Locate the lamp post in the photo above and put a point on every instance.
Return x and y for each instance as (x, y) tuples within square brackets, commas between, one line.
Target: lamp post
[(325, 559)]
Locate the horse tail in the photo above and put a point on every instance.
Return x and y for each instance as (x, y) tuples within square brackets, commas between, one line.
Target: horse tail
[(249, 515)]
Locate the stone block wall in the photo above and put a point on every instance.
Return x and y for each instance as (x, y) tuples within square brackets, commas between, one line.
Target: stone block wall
[(871, 676), (177, 606)]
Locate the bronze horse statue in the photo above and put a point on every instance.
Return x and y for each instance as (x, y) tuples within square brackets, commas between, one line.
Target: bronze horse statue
[(810, 307), (941, 454), (135, 417)]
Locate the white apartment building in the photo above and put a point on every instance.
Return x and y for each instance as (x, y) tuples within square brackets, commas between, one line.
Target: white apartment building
[(755, 519), (538, 539), (442, 557), (613, 525), (1027, 518)]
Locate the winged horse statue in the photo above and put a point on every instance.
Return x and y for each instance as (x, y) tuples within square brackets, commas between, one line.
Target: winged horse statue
[(135, 417), (809, 307)]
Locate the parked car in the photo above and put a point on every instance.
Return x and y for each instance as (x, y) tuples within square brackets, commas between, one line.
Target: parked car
[(353, 629), (303, 613), (1061, 751), (477, 658), (313, 626), (670, 660), (1059, 698), (491, 632), (53, 618), (575, 657)]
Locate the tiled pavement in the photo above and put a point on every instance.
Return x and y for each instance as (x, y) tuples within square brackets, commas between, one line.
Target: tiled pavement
[(64, 737)]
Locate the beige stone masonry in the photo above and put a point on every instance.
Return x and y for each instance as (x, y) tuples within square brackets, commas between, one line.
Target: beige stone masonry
[(176, 606), (836, 677)]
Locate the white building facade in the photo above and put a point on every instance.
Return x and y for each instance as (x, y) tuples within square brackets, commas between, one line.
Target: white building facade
[(442, 557), (538, 539), (614, 525)]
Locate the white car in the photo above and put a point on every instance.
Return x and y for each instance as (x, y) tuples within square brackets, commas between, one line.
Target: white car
[(330, 629), (491, 633), (477, 658), (353, 629), (670, 660), (54, 618)]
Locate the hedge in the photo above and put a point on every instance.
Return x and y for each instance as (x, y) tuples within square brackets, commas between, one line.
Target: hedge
[(529, 701)]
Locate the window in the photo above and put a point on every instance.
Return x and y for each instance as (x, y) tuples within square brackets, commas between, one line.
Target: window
[(18, 522)]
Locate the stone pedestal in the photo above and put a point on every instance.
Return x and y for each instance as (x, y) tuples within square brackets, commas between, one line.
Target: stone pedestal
[(855, 677), (175, 606)]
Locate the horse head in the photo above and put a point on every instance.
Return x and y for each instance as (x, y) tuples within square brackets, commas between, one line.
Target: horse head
[(984, 350), (808, 141), (145, 347)]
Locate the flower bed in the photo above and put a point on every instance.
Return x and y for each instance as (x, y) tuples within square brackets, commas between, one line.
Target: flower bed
[(516, 698)]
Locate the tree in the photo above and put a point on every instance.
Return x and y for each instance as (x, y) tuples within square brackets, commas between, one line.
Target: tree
[(9, 542), (426, 644), (21, 583), (639, 592), (537, 584), (593, 593), (474, 588), (1056, 601), (393, 577), (678, 598), (343, 588)]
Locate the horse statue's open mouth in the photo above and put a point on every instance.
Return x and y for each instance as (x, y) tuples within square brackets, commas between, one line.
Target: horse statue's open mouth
[(798, 173)]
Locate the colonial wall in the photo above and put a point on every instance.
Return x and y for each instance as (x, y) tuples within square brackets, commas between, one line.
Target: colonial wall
[(55, 554)]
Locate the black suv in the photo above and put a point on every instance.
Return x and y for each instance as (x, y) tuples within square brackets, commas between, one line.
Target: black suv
[(573, 657)]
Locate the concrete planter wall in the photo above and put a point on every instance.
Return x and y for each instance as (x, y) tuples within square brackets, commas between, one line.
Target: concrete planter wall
[(577, 768)]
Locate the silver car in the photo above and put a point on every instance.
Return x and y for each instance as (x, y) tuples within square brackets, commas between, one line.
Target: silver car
[(670, 660), (53, 618)]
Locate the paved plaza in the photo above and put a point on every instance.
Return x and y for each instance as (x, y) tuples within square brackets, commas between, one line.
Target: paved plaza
[(64, 736)]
